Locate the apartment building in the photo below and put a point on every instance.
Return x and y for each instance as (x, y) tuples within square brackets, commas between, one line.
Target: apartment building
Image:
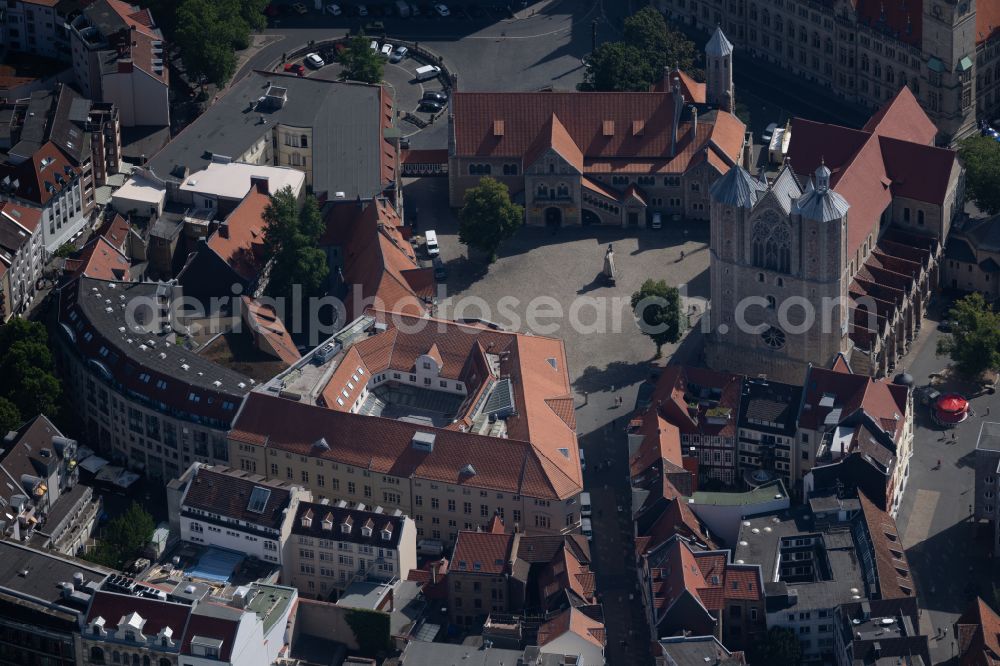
[(290, 124), (483, 396), (822, 557), (945, 52), (38, 27), (236, 511), (987, 468), (971, 261), (483, 577), (43, 601), (118, 57), (22, 257), (132, 623), (768, 422), (143, 399), (332, 545)]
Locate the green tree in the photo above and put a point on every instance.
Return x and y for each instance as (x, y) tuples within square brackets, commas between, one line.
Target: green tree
[(206, 34), (360, 62), (10, 416), (638, 61), (661, 47), (291, 235), (981, 157), (658, 311), (27, 369), (780, 647), (65, 250), (619, 67), (124, 538), (974, 342), (488, 217)]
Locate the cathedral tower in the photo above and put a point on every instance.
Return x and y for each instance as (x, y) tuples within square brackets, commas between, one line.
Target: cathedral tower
[(719, 72)]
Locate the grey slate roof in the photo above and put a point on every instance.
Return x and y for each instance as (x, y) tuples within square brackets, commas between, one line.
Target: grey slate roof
[(737, 188), (958, 249), (985, 234), (786, 188), (346, 127), (822, 205), (718, 45)]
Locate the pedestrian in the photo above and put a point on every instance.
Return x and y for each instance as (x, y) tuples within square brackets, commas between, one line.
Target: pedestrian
[(586, 398), (987, 411)]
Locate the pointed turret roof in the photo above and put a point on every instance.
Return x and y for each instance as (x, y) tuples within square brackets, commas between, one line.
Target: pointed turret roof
[(737, 188), (718, 45), (822, 203)]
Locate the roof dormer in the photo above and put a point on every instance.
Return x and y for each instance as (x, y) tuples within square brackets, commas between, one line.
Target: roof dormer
[(97, 627), (166, 637), (387, 532), (345, 527), (328, 522), (366, 529), (307, 518)]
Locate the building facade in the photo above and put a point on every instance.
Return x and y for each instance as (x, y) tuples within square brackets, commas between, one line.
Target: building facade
[(332, 545), (142, 401), (37, 27), (22, 256), (118, 57), (987, 464), (971, 260), (602, 158), (864, 256), (946, 53)]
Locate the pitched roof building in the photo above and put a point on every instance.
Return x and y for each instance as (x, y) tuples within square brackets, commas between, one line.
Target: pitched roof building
[(598, 157), (445, 408), (894, 195), (978, 634), (972, 257)]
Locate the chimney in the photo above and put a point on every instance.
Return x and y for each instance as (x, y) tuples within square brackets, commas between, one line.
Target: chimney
[(678, 98), (260, 182), (224, 230), (694, 123)]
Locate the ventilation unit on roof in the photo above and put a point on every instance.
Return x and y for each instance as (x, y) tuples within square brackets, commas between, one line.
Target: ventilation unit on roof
[(468, 470), (423, 441), (321, 444)]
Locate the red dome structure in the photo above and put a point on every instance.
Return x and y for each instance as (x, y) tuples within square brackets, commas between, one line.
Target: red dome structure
[(951, 408)]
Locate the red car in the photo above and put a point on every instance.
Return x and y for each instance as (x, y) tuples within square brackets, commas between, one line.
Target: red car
[(295, 67)]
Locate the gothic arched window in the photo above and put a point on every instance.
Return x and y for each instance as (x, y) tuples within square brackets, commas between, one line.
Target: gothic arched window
[(771, 243)]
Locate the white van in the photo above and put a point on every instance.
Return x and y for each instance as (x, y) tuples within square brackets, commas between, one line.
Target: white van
[(427, 72), (431, 241), (585, 508), (587, 529), (657, 222), (583, 461)]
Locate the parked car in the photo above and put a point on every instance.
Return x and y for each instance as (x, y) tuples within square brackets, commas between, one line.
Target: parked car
[(431, 242), (926, 395), (374, 45), (334, 10), (386, 50), (314, 61), (440, 272), (362, 10), (438, 96), (299, 8), (442, 10), (583, 460), (427, 72), (399, 53), (428, 106), (295, 68), (657, 221)]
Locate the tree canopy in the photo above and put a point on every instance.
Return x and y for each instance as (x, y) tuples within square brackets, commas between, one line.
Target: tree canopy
[(981, 157), (488, 217), (974, 342), (638, 61), (657, 310), (124, 537), (208, 32), (291, 235), (360, 62), (28, 383)]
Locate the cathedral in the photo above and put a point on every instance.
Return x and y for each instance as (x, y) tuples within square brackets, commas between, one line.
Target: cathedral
[(837, 253)]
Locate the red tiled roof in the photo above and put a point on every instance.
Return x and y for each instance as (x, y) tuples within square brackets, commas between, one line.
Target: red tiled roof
[(227, 493), (601, 125), (554, 135), (894, 578), (484, 553), (427, 156), (266, 324), (384, 446), (674, 388), (877, 397), (692, 90), (978, 633), (158, 614), (987, 20), (24, 216), (203, 625), (115, 230), (661, 440), (892, 155), (140, 19), (32, 176), (101, 260), (902, 20), (240, 240), (377, 259), (574, 621)]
